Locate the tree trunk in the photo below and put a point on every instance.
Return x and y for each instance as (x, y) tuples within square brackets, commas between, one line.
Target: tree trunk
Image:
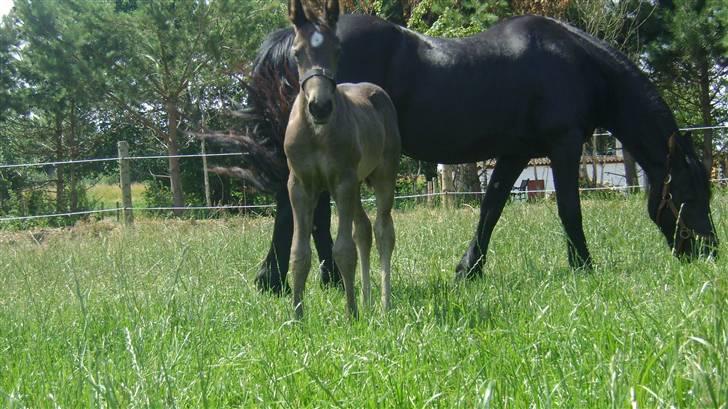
[(468, 180), (630, 170), (60, 177), (705, 113), (72, 144), (175, 175), (583, 174)]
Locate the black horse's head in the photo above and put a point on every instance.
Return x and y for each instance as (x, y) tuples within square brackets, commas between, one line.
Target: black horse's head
[(316, 50), (681, 204)]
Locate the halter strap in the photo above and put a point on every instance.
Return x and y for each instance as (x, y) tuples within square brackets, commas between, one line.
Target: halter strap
[(683, 231), (318, 72)]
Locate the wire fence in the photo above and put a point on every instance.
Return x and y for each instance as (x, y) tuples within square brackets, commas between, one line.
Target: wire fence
[(238, 154), (268, 206), (70, 162), (513, 192)]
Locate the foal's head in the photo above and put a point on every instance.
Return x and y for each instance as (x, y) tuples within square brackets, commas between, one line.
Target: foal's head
[(681, 205), (316, 50)]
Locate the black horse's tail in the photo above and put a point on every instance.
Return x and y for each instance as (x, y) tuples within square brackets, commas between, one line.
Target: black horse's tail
[(272, 87)]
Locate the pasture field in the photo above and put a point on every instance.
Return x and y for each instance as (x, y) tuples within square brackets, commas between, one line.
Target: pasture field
[(109, 195), (166, 315)]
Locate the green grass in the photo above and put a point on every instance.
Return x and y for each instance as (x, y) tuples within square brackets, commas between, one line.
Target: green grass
[(166, 315)]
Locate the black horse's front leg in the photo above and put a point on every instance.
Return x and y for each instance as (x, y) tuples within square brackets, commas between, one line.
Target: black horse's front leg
[(272, 273), (506, 172), (565, 165), (330, 276)]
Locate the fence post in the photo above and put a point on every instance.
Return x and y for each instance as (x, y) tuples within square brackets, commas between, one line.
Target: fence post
[(430, 192), (447, 185), (125, 180)]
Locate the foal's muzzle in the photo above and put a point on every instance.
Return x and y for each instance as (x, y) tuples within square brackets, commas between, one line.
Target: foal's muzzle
[(320, 111)]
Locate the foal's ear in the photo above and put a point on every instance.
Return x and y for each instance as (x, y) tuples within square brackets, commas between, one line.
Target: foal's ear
[(295, 13), (332, 12)]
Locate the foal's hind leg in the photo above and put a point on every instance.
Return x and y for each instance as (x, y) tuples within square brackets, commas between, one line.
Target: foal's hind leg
[(565, 165), (363, 240), (383, 185)]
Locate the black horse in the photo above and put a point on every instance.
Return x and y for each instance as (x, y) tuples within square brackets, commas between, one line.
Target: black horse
[(528, 87)]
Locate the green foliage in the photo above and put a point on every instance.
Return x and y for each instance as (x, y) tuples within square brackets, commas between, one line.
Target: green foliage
[(449, 19), (687, 59), (157, 194)]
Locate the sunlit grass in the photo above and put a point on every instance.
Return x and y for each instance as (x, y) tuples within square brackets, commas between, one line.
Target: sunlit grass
[(166, 314), (110, 195)]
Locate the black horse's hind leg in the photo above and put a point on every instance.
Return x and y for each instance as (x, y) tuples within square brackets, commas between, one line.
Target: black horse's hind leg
[(272, 274), (330, 275), (565, 165), (504, 175)]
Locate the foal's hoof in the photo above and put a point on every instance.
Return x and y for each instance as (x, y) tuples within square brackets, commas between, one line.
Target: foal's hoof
[(267, 281)]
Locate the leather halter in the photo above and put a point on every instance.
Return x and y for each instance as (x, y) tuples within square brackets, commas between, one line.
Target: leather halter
[(684, 232), (318, 72)]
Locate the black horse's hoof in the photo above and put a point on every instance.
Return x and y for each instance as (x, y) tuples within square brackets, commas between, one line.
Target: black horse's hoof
[(331, 279), (579, 264), (468, 271), (267, 281)]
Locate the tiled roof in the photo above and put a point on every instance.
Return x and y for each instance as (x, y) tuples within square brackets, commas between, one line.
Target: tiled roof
[(547, 162)]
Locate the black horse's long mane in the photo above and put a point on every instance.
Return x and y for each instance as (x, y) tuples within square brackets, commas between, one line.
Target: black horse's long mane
[(272, 85), (633, 79)]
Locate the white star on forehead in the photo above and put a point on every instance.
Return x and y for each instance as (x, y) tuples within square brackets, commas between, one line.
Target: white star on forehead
[(317, 39)]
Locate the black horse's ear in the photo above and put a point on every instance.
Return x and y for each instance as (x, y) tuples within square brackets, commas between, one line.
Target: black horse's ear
[(295, 13), (332, 12)]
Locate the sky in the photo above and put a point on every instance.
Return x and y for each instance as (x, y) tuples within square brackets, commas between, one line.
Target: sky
[(5, 6)]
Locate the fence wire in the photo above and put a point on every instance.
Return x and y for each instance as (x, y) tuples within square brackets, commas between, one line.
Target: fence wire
[(69, 162), (270, 206), (212, 155)]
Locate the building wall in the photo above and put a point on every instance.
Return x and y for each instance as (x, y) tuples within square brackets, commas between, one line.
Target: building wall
[(609, 174)]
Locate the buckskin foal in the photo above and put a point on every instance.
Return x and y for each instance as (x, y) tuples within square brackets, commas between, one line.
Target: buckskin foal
[(337, 137)]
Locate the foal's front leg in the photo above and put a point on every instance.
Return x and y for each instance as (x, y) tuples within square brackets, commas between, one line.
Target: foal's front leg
[(345, 196), (302, 202)]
